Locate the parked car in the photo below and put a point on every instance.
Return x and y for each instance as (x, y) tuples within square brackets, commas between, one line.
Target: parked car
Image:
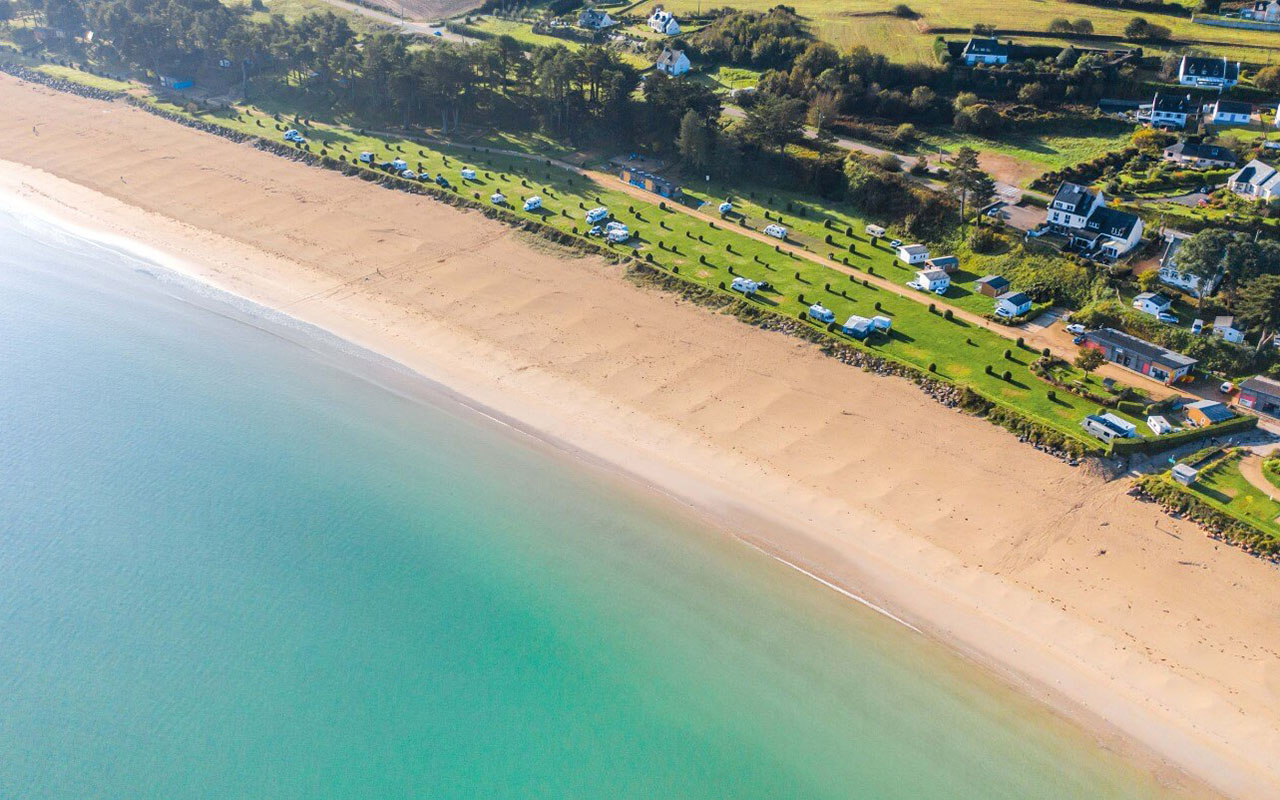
[(915, 285), (1167, 318), (1079, 340), (1227, 387), (895, 244), (1197, 326), (1075, 328), (596, 230), (292, 135), (410, 174), (442, 181)]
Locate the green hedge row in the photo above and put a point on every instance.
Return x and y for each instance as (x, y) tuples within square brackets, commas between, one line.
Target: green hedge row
[(1126, 447)]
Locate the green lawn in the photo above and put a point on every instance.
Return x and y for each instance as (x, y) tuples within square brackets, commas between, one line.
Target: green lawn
[(84, 78), (523, 32), (1223, 487), (869, 22), (1061, 148), (727, 78)]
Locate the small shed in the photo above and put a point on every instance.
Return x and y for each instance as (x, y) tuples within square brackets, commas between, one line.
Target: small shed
[(1012, 304), (992, 285), (1207, 412), (1184, 474), (1225, 327)]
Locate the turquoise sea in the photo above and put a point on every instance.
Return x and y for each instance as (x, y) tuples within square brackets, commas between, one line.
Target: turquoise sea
[(241, 560)]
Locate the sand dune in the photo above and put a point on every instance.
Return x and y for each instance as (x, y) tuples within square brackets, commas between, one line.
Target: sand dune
[(1127, 619)]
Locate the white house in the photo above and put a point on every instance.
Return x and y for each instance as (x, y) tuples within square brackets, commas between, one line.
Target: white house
[(1199, 156), (1256, 181), (933, 280), (1213, 73), (1230, 112), (1084, 217), (1012, 304), (673, 62), (1171, 110), (594, 20), (1170, 275), (986, 51), (1226, 328), (913, 254), (664, 22), (1262, 11), (1152, 303)]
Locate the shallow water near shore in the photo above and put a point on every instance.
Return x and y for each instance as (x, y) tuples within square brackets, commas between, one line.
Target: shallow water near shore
[(240, 559)]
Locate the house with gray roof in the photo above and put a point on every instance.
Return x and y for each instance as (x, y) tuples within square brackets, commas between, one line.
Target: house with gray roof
[(1213, 73)]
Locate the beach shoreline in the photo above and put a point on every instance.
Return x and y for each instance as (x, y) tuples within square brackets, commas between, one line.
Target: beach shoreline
[(1054, 653)]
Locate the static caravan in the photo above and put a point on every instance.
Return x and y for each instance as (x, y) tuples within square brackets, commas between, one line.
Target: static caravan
[(876, 231), (859, 327), (1105, 428), (597, 215), (468, 174), (821, 313), (1159, 425)]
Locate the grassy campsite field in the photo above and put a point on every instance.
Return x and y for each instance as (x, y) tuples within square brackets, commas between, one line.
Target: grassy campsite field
[(846, 23), (705, 253)]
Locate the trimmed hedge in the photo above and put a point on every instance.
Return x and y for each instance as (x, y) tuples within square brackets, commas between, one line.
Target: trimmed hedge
[(1126, 447)]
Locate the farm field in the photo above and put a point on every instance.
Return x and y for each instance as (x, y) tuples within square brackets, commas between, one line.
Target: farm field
[(523, 32), (869, 22)]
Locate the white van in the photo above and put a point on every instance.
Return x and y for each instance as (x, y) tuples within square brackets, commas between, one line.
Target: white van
[(776, 231), (366, 157), (399, 164), (597, 215), (468, 174), (745, 285), (498, 199), (616, 232), (821, 313), (533, 203)]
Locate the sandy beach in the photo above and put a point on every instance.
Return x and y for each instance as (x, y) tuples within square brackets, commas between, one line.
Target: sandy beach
[(1161, 640)]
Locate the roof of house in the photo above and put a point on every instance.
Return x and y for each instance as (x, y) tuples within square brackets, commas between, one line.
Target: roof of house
[(1077, 198), (1016, 298), (1224, 321), (1232, 107), (1108, 421), (1213, 410), (1173, 103), (1209, 152), (1112, 221), (1172, 245), (1152, 352), (669, 57), (1201, 67), (1255, 172), (944, 261), (913, 249), (1263, 384), (1153, 297), (593, 18), (994, 281), (986, 47), (932, 275)]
